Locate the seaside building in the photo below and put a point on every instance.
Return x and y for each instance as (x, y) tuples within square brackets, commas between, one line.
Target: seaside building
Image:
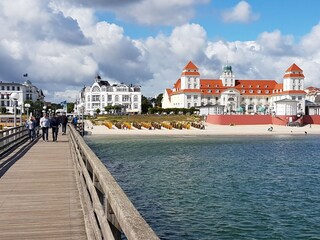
[(101, 94), (24, 91), (229, 95)]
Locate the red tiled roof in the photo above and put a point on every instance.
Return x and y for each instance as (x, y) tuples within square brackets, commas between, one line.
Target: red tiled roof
[(290, 92), (294, 68), (190, 66), (190, 74), (169, 91), (177, 85), (187, 91)]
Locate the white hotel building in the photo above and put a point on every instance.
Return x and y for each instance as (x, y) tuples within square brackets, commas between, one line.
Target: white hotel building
[(24, 91), (102, 94), (229, 95)]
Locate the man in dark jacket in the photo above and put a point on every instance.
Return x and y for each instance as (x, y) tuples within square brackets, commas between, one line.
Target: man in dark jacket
[(54, 124), (64, 122)]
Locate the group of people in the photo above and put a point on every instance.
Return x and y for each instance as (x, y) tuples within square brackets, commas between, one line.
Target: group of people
[(46, 122)]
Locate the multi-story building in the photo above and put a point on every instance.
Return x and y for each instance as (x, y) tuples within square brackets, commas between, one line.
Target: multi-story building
[(24, 91), (228, 94), (102, 94)]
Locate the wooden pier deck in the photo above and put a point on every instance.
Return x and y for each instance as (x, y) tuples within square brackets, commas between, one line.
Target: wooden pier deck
[(39, 197)]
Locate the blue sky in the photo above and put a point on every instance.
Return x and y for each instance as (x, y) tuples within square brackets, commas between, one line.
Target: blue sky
[(64, 44), (291, 17)]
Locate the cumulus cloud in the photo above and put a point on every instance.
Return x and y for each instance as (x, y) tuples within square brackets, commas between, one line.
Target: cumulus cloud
[(63, 46), (240, 13)]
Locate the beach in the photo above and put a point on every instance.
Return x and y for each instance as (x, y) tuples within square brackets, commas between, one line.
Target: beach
[(210, 129)]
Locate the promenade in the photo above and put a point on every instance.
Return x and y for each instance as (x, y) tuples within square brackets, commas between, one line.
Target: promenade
[(39, 197)]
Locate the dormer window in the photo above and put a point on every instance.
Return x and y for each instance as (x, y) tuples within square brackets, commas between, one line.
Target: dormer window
[(208, 85), (258, 86), (217, 91), (259, 91), (217, 85), (242, 86), (243, 91), (266, 86), (267, 91), (251, 91)]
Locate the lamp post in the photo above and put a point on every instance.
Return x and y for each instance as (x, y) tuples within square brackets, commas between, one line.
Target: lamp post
[(14, 97), (20, 104), (27, 106), (82, 117)]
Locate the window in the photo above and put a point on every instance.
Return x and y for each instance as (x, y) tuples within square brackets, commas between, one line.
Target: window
[(13, 88), (135, 105), (258, 86), (217, 91), (299, 98), (188, 96), (251, 91), (18, 88), (242, 86), (2, 87), (95, 98), (259, 91), (243, 91), (189, 85), (102, 98), (266, 86), (125, 98), (116, 98), (267, 91), (109, 98), (8, 87), (195, 85), (293, 98), (209, 91), (135, 98), (95, 89), (195, 97), (250, 86)]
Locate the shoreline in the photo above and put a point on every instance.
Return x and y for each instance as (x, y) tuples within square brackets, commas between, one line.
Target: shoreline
[(211, 129)]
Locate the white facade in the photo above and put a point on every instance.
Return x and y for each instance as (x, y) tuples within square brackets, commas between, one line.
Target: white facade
[(25, 91), (237, 96), (102, 94)]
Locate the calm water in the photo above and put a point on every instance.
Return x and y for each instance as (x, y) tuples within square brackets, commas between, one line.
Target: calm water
[(219, 188)]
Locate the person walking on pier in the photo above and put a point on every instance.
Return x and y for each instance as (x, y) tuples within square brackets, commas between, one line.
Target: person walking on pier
[(54, 124), (64, 122), (31, 126), (45, 124)]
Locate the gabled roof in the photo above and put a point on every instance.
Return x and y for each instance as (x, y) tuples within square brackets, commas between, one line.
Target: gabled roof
[(177, 85), (293, 72), (294, 68), (190, 66)]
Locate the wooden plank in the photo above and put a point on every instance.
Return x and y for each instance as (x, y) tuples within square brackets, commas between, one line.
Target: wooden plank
[(39, 198)]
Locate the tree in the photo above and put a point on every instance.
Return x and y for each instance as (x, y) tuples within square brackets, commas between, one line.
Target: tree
[(98, 111), (158, 100), (145, 104), (70, 107)]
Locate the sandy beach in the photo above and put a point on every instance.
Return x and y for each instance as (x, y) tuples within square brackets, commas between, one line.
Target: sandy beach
[(209, 130)]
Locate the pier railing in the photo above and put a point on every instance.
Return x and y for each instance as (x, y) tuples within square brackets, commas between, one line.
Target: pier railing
[(12, 137), (108, 211)]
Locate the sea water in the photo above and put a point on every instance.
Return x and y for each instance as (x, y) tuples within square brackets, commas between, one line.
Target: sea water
[(207, 187)]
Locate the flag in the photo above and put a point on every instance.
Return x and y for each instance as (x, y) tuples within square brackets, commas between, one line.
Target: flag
[(25, 75)]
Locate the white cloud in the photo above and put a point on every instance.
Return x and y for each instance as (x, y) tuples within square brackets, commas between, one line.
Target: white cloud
[(62, 47), (240, 13)]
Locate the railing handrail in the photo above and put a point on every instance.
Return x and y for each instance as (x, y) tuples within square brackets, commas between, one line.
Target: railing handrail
[(113, 211), (12, 137)]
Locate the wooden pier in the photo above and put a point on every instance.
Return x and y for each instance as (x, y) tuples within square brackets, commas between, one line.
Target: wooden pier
[(39, 197), (61, 190)]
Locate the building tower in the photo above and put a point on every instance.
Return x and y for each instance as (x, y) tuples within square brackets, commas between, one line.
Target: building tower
[(227, 77), (293, 78), (190, 77)]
